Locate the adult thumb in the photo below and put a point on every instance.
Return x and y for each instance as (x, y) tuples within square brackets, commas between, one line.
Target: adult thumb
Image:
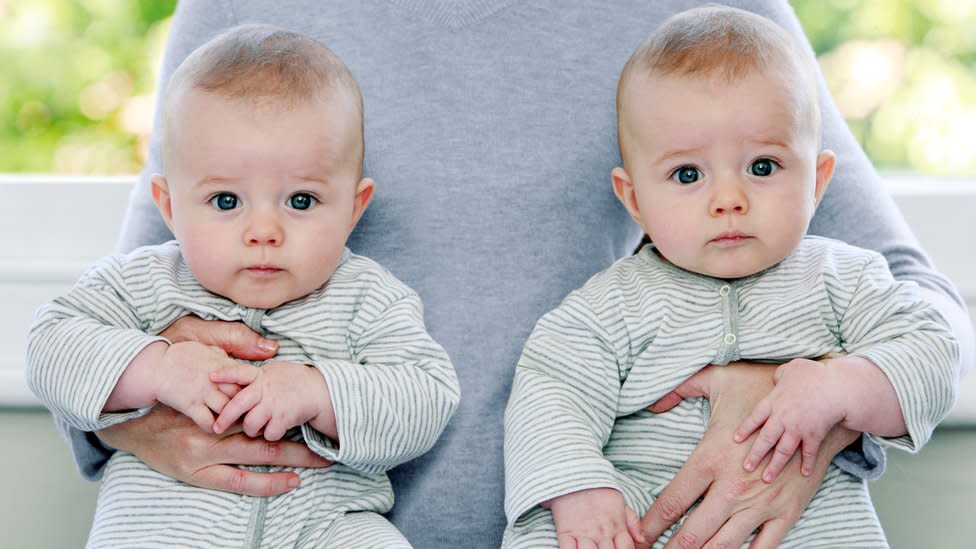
[(239, 341), (694, 386)]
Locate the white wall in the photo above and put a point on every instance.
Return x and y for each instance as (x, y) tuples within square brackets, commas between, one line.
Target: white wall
[(53, 228)]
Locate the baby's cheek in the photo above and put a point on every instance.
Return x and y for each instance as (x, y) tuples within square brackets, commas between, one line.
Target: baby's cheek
[(670, 238), (208, 266)]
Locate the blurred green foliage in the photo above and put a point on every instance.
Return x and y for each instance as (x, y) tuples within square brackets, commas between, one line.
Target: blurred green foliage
[(77, 84), (904, 74), (78, 79)]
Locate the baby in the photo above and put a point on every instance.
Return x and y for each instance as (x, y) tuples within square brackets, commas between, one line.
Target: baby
[(262, 154), (719, 135)]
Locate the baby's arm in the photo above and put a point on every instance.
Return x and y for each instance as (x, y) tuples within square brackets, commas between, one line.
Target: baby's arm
[(898, 380), (80, 344), (391, 398), (810, 398), (595, 517), (560, 415), (276, 397)]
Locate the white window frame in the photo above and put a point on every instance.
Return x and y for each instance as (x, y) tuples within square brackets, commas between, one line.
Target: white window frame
[(54, 227)]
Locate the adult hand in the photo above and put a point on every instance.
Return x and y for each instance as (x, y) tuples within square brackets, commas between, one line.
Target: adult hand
[(734, 502), (173, 445), (234, 338)]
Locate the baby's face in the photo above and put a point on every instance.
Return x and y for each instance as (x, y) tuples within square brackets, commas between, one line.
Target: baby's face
[(726, 176), (262, 198)]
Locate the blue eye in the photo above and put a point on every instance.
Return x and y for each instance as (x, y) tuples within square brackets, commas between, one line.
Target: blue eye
[(686, 175), (763, 167), (301, 201), (225, 201)]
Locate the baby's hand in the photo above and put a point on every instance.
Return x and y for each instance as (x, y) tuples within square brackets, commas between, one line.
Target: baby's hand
[(597, 517), (183, 381), (808, 400), (275, 397)]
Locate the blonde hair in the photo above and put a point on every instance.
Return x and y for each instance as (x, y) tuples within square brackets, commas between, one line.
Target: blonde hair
[(726, 43), (265, 62)]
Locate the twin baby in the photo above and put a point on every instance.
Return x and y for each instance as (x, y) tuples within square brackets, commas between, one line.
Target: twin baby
[(719, 126)]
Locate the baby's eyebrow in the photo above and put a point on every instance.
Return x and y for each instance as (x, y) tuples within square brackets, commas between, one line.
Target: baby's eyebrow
[(775, 142), (214, 180), (312, 179), (670, 154)]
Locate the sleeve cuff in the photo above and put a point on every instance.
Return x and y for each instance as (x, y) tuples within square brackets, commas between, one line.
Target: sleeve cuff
[(864, 458)]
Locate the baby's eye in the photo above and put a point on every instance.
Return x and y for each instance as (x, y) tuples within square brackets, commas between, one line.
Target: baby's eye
[(225, 201), (301, 201), (687, 175), (763, 167)]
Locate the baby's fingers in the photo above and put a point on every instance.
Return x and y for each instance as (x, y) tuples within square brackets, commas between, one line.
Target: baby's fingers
[(229, 389), (756, 418), (765, 441), (233, 410), (215, 400), (256, 420), (200, 415), (622, 541), (566, 541), (275, 428), (810, 448), (787, 446), (240, 374), (633, 526)]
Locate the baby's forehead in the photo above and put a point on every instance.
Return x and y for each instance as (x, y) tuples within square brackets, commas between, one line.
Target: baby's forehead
[(336, 109), (785, 88)]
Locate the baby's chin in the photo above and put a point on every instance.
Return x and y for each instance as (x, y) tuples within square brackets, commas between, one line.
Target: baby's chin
[(266, 294), (735, 271), (262, 304), (259, 299)]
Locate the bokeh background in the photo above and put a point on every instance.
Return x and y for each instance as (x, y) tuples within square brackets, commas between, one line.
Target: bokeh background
[(76, 91)]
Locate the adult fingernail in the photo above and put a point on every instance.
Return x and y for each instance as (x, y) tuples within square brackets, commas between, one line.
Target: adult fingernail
[(293, 482), (269, 345)]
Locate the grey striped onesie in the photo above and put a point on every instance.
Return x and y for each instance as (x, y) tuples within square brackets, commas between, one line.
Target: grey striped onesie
[(392, 386), (577, 415)]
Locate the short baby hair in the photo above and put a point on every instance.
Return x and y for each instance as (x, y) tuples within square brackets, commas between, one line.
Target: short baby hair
[(264, 62), (725, 43)]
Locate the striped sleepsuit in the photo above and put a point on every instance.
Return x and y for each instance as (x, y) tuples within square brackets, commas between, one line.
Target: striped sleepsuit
[(577, 415), (392, 386)]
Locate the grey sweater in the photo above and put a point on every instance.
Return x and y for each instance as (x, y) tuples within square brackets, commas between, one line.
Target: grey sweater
[(490, 131)]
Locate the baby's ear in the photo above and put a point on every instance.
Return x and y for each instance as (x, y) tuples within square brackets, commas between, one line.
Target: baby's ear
[(826, 162), (364, 194), (623, 187), (160, 195)]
